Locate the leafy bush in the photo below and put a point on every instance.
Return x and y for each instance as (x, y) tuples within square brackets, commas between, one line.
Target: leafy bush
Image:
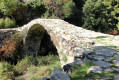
[(37, 67), (80, 72), (44, 68), (69, 9), (37, 6), (59, 8), (2, 23), (10, 49), (6, 71), (24, 64), (47, 60), (97, 16), (7, 7), (32, 68), (9, 23)]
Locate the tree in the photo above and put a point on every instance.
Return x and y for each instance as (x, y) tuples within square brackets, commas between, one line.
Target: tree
[(97, 15), (115, 12), (7, 7)]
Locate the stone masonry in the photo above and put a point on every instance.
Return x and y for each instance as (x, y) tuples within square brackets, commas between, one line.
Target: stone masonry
[(78, 45)]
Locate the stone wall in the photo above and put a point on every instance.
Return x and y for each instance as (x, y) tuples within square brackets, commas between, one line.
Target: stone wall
[(6, 34)]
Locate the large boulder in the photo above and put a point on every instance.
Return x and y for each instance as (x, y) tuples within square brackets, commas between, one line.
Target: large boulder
[(59, 75)]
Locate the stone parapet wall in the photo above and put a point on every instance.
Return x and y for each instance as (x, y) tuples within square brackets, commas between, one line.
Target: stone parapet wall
[(5, 34)]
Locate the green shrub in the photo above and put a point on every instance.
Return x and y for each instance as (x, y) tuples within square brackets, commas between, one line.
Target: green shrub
[(2, 23), (36, 6), (7, 7), (24, 64), (6, 71), (97, 16), (80, 72), (37, 67), (44, 68), (59, 9), (9, 23), (69, 9), (47, 60), (36, 73)]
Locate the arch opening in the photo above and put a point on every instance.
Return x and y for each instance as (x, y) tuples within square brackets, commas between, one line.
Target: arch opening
[(38, 42)]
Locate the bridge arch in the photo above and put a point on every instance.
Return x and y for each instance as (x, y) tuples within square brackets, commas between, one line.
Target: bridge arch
[(37, 41)]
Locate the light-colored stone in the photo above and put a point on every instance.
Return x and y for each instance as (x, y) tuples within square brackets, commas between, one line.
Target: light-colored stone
[(116, 62), (107, 60), (116, 56), (95, 69), (116, 77), (115, 69), (98, 47), (108, 70)]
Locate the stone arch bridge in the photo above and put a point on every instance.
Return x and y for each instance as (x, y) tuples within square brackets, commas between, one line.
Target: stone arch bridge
[(57, 36)]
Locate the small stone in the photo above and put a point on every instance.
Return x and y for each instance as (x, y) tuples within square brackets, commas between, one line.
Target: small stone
[(106, 52), (116, 77), (107, 60), (116, 69), (116, 62), (116, 56), (106, 78), (85, 60), (87, 52), (68, 69), (98, 47), (95, 69), (102, 63), (99, 58), (90, 57), (78, 53), (77, 62), (108, 70)]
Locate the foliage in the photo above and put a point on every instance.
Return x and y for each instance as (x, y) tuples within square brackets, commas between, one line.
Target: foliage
[(24, 64), (22, 14), (97, 16), (80, 72), (6, 71), (99, 75), (47, 60), (7, 7), (64, 58), (9, 49), (69, 9), (37, 67), (37, 6), (59, 9), (32, 68), (9, 23), (2, 23), (115, 12)]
